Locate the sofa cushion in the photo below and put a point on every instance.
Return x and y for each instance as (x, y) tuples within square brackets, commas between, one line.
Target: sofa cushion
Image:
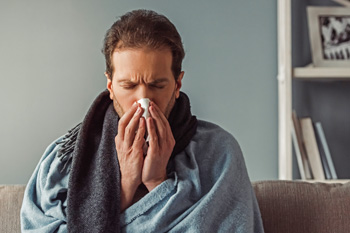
[(298, 207), (11, 197)]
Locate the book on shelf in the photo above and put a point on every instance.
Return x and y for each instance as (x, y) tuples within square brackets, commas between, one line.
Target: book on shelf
[(298, 154), (327, 172), (311, 148), (324, 151), (299, 148)]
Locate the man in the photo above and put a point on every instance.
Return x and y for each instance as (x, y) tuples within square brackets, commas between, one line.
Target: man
[(104, 176)]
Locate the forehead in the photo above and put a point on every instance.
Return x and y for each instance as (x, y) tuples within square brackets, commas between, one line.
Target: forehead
[(142, 60)]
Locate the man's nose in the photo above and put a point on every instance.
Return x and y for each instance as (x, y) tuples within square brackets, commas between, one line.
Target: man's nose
[(144, 92)]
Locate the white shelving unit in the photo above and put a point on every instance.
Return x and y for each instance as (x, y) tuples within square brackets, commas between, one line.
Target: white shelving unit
[(310, 72), (285, 75)]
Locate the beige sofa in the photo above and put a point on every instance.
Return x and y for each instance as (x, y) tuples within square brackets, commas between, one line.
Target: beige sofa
[(301, 207), (10, 204), (286, 207)]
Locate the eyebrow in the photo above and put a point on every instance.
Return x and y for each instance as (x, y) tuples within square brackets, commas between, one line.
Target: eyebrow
[(159, 80), (125, 81), (155, 81)]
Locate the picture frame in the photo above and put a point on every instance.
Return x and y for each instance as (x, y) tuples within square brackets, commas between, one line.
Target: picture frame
[(343, 2), (329, 33)]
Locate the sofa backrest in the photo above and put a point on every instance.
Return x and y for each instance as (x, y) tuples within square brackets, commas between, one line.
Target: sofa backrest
[(302, 207), (11, 197)]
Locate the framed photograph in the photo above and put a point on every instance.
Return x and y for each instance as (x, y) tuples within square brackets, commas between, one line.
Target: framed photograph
[(343, 2), (329, 32)]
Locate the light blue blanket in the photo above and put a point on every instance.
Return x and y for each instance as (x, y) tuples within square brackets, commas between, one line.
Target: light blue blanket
[(209, 191)]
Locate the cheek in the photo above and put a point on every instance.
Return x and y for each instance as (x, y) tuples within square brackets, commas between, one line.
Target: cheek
[(163, 101), (124, 100)]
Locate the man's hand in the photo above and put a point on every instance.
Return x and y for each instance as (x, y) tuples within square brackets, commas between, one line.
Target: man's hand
[(161, 145), (129, 147)]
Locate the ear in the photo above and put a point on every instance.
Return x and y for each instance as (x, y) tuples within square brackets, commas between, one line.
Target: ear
[(109, 86), (178, 84)]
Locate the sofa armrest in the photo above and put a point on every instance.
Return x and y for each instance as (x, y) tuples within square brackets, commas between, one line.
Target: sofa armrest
[(298, 207), (11, 197)]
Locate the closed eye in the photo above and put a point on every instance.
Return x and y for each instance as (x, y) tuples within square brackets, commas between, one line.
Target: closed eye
[(157, 86), (159, 83), (128, 87)]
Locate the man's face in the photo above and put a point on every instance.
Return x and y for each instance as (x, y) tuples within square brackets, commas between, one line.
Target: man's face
[(143, 73)]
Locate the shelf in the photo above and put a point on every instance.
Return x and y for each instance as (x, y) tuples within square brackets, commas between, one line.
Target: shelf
[(333, 73)]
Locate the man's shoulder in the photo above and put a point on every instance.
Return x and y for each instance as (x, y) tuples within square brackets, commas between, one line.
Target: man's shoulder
[(213, 132), (53, 147), (214, 150), (209, 125), (51, 152), (58, 153), (213, 139)]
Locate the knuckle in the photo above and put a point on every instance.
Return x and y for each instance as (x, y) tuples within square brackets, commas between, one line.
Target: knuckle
[(128, 130), (154, 138), (141, 126), (138, 138), (122, 123), (117, 139), (118, 146)]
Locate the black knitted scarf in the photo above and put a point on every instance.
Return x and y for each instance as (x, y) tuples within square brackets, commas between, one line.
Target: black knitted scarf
[(88, 151)]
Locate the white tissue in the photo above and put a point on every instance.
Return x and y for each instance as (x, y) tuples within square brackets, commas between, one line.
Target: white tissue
[(144, 104)]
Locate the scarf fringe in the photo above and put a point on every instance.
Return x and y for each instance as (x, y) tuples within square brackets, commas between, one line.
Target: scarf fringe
[(68, 143)]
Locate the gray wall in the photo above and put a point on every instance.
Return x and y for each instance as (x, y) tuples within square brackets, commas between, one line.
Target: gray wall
[(51, 69)]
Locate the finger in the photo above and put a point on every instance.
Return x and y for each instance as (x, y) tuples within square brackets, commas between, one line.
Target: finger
[(156, 114), (152, 135), (130, 130), (124, 120), (161, 122), (156, 110), (139, 138)]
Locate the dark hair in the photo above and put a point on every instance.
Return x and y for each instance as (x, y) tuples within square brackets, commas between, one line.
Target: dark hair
[(143, 28)]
